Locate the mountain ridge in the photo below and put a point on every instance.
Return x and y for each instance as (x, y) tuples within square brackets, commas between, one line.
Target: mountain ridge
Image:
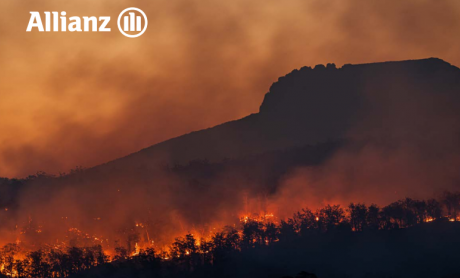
[(306, 106)]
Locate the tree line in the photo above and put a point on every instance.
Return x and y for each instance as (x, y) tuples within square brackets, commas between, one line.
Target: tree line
[(189, 254)]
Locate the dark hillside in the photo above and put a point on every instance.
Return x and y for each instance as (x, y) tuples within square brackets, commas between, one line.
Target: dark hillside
[(310, 106)]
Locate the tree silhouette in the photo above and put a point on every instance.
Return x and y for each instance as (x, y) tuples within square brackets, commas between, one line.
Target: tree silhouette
[(452, 203), (373, 219), (251, 234), (358, 216), (305, 222), (433, 209), (330, 217), (271, 233)]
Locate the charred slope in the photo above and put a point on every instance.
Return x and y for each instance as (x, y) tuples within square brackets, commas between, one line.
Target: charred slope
[(309, 106)]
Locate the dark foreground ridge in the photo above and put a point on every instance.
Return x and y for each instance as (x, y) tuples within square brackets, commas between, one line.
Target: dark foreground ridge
[(315, 105), (407, 239)]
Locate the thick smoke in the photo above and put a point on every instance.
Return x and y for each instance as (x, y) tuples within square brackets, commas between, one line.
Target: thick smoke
[(83, 99), (72, 99)]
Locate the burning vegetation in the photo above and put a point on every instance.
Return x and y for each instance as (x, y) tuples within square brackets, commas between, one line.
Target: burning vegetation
[(80, 252)]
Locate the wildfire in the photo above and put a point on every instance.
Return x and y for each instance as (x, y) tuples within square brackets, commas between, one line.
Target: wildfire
[(261, 218), (137, 249), (133, 239)]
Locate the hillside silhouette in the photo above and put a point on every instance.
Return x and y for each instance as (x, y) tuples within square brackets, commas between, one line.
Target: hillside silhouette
[(321, 104)]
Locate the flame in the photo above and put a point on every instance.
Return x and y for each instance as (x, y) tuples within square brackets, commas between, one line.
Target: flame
[(141, 234), (261, 217)]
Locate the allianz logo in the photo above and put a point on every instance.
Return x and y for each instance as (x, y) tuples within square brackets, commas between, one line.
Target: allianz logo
[(132, 23)]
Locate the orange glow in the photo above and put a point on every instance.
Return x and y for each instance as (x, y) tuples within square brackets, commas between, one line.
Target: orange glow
[(88, 110)]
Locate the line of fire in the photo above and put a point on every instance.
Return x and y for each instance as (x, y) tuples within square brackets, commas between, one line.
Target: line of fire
[(31, 255)]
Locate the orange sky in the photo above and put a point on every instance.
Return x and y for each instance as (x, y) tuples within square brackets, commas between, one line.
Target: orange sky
[(69, 99)]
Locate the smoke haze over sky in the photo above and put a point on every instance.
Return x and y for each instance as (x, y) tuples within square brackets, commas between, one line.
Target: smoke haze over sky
[(70, 99)]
